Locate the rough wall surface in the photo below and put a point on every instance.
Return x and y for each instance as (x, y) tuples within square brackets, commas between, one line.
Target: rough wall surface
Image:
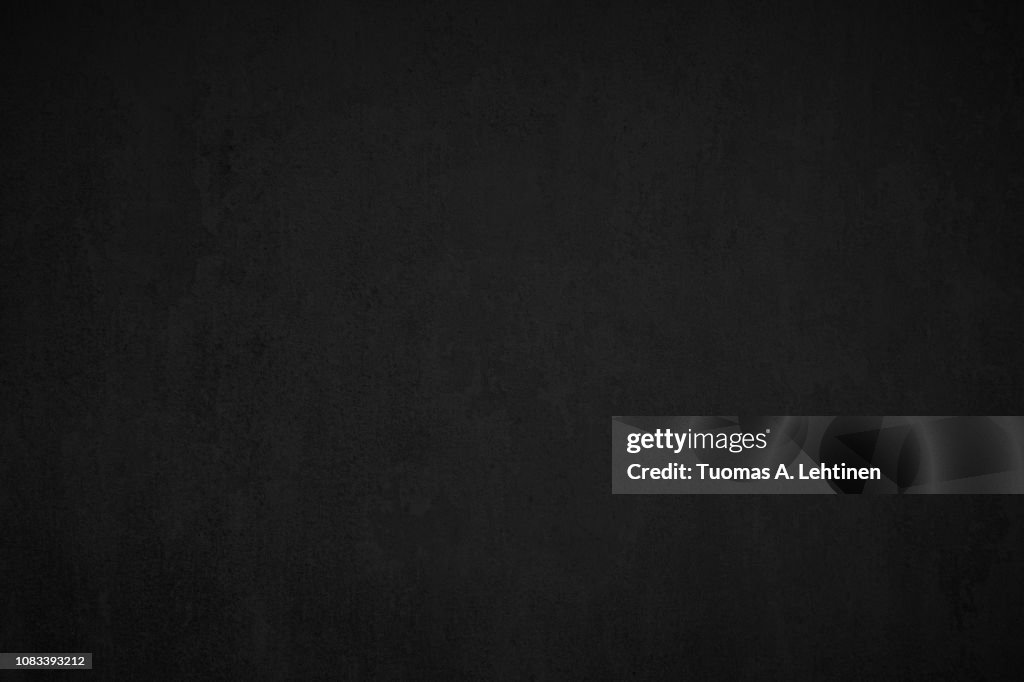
[(314, 318)]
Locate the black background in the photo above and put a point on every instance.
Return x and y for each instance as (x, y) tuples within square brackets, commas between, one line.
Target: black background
[(314, 319)]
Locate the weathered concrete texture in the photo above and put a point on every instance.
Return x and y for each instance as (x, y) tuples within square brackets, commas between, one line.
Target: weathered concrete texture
[(314, 319)]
